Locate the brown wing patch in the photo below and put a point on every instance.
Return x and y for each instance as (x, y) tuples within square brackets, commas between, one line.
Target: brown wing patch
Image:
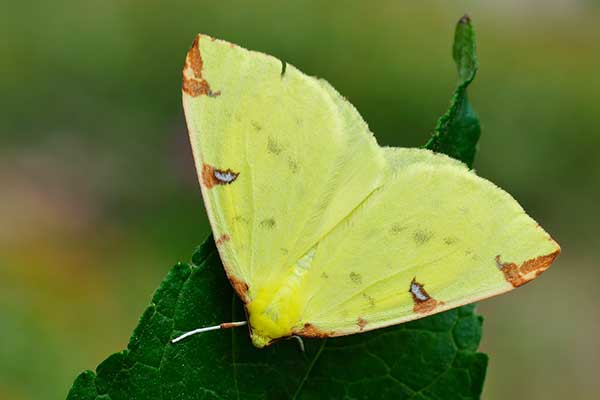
[(529, 270), (538, 264), (212, 176), (361, 323), (309, 330), (424, 303), (511, 272), (240, 287), (193, 82), (222, 239)]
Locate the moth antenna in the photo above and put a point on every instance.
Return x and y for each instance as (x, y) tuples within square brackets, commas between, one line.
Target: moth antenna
[(224, 325)]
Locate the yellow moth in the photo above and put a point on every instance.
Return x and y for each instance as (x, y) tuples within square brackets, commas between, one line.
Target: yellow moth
[(322, 232)]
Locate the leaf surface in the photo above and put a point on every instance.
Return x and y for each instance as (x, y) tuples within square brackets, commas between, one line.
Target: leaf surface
[(425, 359)]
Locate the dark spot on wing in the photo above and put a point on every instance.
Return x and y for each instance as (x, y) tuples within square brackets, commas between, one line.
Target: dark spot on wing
[(256, 126), (267, 223), (355, 278), (240, 219), (293, 165), (450, 240), (273, 146), (422, 236), (397, 228), (369, 299)]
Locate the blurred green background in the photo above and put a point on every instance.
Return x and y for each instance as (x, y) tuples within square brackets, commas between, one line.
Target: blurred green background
[(98, 195)]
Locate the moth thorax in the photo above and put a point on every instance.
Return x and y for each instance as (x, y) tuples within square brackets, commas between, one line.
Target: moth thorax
[(273, 313)]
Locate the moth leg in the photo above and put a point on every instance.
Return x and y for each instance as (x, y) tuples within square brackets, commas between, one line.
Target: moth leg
[(300, 341)]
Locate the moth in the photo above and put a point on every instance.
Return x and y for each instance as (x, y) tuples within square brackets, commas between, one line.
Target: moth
[(322, 231)]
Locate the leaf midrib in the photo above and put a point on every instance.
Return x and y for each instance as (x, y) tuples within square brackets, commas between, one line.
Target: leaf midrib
[(310, 367)]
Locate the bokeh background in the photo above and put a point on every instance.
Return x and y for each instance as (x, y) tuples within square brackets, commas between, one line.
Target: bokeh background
[(98, 197)]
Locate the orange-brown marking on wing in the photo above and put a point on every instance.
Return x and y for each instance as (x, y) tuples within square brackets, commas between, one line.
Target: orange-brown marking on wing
[(212, 176), (208, 176), (424, 303), (529, 270), (426, 306), (511, 273), (240, 287), (361, 322), (310, 330), (538, 264), (222, 239), (193, 82)]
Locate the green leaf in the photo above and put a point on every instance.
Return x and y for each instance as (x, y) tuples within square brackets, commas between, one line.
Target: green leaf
[(431, 358), (458, 130), (426, 359)]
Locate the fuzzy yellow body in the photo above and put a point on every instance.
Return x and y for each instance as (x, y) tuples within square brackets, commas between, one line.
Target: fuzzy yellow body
[(322, 232)]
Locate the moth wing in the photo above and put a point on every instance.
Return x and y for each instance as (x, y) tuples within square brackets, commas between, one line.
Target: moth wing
[(435, 236), (280, 159)]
